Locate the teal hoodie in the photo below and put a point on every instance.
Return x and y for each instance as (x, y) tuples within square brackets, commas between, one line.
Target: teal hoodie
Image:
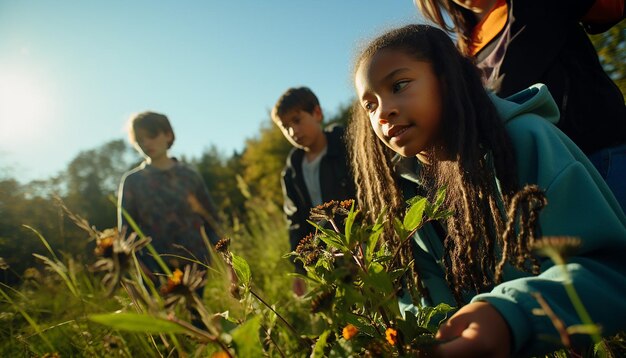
[(579, 204)]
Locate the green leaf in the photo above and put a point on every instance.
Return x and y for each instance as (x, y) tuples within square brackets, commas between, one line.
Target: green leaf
[(378, 279), (43, 241), (242, 269), (399, 228), (135, 322), (428, 313), (246, 338), (414, 200), (439, 198), (442, 214), (410, 328), (348, 223), (413, 217), (320, 345), (26, 316), (374, 235), (331, 238), (61, 270)]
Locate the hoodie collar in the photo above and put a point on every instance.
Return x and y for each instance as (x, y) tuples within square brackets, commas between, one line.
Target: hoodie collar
[(536, 100)]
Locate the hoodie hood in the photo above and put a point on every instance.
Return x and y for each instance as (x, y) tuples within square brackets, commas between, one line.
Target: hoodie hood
[(535, 99)]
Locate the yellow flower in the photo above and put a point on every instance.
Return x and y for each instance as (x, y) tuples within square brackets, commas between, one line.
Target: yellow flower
[(220, 354), (172, 282), (392, 336), (349, 331), (176, 277)]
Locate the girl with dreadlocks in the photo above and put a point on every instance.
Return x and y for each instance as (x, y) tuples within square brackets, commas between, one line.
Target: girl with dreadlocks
[(423, 121)]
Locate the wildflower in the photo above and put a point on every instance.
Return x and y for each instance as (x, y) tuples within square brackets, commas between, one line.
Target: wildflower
[(3, 264), (346, 204), (182, 285), (312, 258), (324, 211), (328, 210), (306, 244), (391, 336), (121, 252), (111, 343), (350, 331), (104, 243), (220, 354), (564, 246), (323, 300), (172, 281), (222, 245), (32, 274)]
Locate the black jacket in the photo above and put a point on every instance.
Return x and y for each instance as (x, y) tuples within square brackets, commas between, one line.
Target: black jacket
[(336, 183), (543, 42)]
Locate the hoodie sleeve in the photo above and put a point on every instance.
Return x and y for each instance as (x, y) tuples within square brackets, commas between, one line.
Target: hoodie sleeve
[(580, 205)]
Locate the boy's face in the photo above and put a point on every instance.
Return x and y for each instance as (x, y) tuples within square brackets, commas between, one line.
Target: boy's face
[(153, 146), (302, 128)]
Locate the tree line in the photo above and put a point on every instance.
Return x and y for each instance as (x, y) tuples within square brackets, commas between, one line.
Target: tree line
[(88, 186)]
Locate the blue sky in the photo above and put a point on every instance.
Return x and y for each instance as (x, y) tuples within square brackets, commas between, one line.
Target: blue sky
[(72, 72)]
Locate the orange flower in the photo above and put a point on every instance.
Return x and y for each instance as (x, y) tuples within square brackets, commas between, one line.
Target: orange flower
[(104, 243), (220, 354), (392, 336), (349, 331), (172, 282), (177, 275)]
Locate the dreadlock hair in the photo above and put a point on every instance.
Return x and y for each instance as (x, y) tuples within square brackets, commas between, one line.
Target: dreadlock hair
[(478, 150), (463, 20)]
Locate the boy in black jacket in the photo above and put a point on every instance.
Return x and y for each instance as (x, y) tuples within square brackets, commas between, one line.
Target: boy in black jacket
[(317, 168)]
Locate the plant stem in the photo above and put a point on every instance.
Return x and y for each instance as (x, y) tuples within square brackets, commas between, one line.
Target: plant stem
[(293, 330), (273, 342), (573, 295), (332, 222)]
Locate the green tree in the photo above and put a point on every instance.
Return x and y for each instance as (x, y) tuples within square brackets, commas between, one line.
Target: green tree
[(93, 176), (263, 160), (611, 47), (219, 173)]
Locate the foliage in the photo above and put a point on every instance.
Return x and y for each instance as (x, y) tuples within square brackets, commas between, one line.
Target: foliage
[(263, 161), (611, 47), (202, 310), (219, 172), (85, 185), (356, 279)]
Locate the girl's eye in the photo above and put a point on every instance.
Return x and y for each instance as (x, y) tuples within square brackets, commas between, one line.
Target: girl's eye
[(369, 106), (399, 85)]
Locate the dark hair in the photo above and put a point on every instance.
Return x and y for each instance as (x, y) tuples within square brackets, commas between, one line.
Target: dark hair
[(479, 149), (298, 98), (463, 20), (154, 123)]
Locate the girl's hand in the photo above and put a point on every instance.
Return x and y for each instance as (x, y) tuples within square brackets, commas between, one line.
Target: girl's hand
[(476, 330)]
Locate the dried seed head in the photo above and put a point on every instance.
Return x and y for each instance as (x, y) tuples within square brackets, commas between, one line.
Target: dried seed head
[(565, 246), (323, 301), (222, 245)]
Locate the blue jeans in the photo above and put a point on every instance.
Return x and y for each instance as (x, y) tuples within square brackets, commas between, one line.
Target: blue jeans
[(611, 163)]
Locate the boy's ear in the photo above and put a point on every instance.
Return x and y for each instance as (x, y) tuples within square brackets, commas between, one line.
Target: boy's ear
[(318, 114)]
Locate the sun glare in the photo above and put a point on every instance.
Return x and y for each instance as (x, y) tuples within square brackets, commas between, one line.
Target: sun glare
[(25, 108)]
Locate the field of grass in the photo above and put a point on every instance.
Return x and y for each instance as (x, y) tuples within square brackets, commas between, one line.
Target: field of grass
[(69, 307)]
